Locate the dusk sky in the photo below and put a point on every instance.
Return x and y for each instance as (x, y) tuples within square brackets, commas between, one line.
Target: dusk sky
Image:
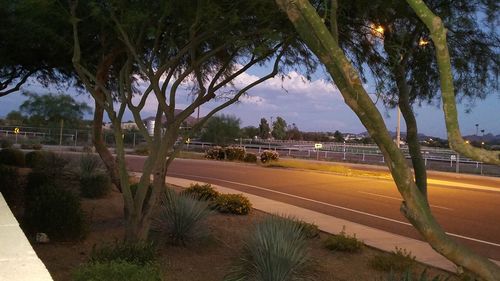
[(315, 106)]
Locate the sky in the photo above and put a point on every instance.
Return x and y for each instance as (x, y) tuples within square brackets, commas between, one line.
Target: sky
[(312, 105)]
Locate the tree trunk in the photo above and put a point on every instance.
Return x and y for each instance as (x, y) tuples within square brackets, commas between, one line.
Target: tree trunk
[(314, 33), (411, 130)]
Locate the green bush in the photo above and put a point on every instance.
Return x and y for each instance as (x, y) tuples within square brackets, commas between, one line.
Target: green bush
[(90, 164), (275, 250), (37, 159), (54, 211), (117, 271), (95, 186), (250, 157), (181, 217), (232, 203), (5, 143), (216, 153), (142, 149), (12, 157), (201, 192), (343, 243), (136, 253), (268, 156), (234, 153), (399, 260), (408, 276), (9, 184), (310, 230)]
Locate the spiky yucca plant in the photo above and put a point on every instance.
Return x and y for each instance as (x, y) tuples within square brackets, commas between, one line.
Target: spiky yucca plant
[(275, 251), (181, 217)]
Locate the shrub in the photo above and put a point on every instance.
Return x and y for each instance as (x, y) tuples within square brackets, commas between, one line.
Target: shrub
[(87, 149), (9, 185), (233, 203), (89, 165), (181, 217), (201, 192), (216, 153), (343, 243), (234, 153), (250, 157), (408, 276), (37, 159), (117, 270), (269, 155), (275, 250), (399, 260), (136, 253), (142, 149), (135, 186), (95, 186), (12, 157), (310, 230), (5, 143), (54, 211)]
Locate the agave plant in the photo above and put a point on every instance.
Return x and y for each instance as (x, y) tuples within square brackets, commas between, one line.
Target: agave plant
[(275, 251), (181, 217)]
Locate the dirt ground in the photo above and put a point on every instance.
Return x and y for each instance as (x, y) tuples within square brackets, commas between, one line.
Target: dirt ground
[(205, 260)]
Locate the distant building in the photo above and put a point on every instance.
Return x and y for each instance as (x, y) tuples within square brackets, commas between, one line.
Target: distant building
[(150, 122)]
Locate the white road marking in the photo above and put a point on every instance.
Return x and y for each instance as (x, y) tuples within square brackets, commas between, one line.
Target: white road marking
[(399, 199), (330, 205)]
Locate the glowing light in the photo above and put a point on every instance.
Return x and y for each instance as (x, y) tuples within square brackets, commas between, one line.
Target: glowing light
[(422, 42), (467, 142), (377, 30)]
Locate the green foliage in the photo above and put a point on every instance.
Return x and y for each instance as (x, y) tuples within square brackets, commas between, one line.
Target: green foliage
[(12, 157), (216, 153), (264, 129), (233, 203), (399, 260), (338, 137), (142, 149), (275, 250), (5, 143), (89, 165), (135, 186), (250, 157), (95, 185), (37, 159), (181, 218), (310, 230), (201, 192), (137, 253), (51, 108), (56, 212), (31, 144), (268, 156), (344, 243), (234, 153), (409, 276), (9, 186), (117, 270), (279, 128), (221, 129)]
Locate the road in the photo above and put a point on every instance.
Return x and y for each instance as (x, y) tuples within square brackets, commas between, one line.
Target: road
[(471, 216)]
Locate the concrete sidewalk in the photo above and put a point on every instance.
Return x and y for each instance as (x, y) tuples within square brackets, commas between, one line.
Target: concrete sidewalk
[(370, 236), (18, 260)]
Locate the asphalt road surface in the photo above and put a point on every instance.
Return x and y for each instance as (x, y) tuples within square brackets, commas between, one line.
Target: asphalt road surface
[(470, 215)]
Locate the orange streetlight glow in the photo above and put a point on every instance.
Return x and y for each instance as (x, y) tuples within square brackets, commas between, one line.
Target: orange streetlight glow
[(377, 30), (422, 42)]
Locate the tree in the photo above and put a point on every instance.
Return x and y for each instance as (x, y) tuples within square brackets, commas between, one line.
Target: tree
[(15, 118), (279, 128), (264, 129), (50, 109), (34, 44), (167, 45), (250, 132), (293, 132), (338, 137), (221, 130), (323, 41)]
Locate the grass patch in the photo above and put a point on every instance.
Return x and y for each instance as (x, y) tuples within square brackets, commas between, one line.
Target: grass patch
[(344, 243), (331, 168), (399, 260), (136, 253)]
